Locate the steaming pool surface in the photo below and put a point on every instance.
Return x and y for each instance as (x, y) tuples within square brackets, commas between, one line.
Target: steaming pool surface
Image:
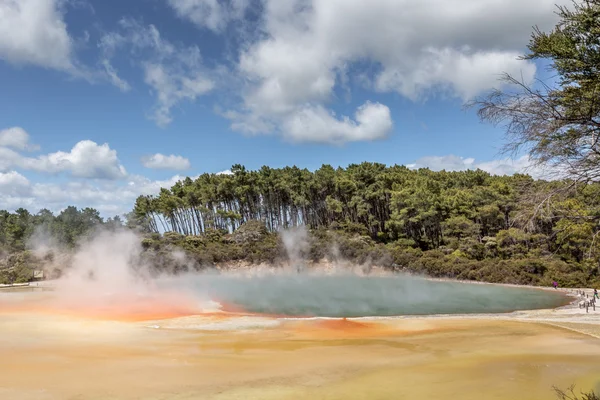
[(355, 296)]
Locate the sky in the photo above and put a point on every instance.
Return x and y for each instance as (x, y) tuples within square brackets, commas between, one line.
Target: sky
[(104, 100)]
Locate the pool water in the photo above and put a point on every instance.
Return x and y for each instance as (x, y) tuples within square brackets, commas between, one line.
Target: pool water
[(356, 296)]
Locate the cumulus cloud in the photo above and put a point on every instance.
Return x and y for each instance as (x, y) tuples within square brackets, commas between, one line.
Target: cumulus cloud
[(16, 138), (302, 54), (86, 159), (308, 43), (174, 73), (14, 184), (315, 124), (8, 159), (161, 161), (34, 32), (211, 14), (104, 184), (309, 49), (506, 166), (108, 197), (142, 185), (462, 74)]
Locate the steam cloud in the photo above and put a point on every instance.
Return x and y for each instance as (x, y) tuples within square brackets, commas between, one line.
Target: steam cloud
[(109, 275), (296, 245)]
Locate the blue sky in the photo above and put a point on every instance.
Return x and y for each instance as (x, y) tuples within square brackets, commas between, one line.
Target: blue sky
[(105, 100)]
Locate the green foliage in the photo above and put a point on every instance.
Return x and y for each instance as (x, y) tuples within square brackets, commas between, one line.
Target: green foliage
[(18, 233), (460, 227), (18, 268), (369, 211), (465, 225), (557, 124), (66, 228)]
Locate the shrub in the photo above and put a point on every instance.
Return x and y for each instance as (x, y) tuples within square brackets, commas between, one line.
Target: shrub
[(570, 394)]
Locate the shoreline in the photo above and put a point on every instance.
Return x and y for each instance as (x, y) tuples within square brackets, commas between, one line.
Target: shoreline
[(227, 355), (569, 313)]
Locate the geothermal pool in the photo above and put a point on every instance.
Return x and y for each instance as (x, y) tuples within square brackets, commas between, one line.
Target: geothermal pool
[(160, 340), (357, 296)]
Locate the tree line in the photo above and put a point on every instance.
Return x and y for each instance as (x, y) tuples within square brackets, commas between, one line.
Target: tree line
[(67, 228), (418, 208), (466, 224)]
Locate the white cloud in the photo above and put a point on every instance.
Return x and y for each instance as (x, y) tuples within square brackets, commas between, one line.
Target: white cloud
[(174, 73), (8, 159), (16, 138), (113, 76), (14, 184), (439, 163), (141, 185), (211, 14), (302, 55), (316, 124), (521, 165), (310, 48), (173, 86), (86, 159), (108, 197), (463, 74), (34, 32), (226, 172), (507, 166), (161, 161), (105, 184)]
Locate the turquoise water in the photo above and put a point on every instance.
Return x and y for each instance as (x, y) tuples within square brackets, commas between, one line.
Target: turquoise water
[(355, 296)]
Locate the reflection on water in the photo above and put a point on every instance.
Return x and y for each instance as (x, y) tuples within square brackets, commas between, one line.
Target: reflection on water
[(355, 296)]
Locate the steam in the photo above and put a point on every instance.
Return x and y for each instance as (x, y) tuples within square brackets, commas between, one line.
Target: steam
[(46, 248), (42, 242), (111, 275), (295, 241), (109, 263)]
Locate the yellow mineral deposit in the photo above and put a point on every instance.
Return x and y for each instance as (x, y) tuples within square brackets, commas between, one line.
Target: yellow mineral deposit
[(176, 352)]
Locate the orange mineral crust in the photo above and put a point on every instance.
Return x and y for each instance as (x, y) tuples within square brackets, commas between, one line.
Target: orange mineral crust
[(117, 308), (253, 357)]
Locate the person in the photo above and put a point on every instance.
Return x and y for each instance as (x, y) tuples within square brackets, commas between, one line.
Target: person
[(596, 293), (555, 284)]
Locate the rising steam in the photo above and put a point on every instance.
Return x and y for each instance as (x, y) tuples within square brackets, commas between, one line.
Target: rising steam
[(110, 276), (295, 241)]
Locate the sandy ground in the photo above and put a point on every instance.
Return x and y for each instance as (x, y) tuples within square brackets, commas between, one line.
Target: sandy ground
[(223, 356)]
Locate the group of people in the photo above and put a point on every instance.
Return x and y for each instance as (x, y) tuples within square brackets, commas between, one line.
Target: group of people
[(555, 284)]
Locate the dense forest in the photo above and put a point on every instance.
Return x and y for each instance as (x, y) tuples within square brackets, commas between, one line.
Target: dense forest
[(427, 209), (67, 228), (468, 225), (21, 232)]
